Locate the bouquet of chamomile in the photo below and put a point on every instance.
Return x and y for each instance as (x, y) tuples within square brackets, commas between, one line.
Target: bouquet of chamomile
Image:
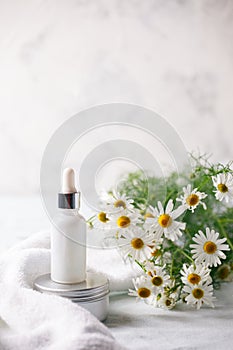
[(182, 240)]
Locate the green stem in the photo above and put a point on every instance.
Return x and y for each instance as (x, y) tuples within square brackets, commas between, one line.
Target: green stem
[(171, 268), (90, 219), (189, 234), (141, 265), (203, 183), (185, 254), (226, 220), (224, 233)]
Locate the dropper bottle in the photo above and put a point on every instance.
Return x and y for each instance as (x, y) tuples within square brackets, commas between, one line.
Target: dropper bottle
[(68, 235)]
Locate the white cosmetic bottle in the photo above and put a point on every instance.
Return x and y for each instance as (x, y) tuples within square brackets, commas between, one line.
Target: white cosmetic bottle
[(68, 235)]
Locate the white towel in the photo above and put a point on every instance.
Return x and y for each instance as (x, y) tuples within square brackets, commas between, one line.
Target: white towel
[(31, 320)]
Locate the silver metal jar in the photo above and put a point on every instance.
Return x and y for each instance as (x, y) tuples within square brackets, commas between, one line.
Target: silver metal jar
[(92, 294)]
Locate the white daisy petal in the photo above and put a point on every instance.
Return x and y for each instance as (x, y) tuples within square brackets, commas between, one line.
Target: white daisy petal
[(137, 244), (115, 202), (158, 279), (199, 294), (192, 198), (208, 248), (169, 206), (195, 274), (166, 302), (160, 206), (223, 184), (179, 211), (164, 221), (143, 290)]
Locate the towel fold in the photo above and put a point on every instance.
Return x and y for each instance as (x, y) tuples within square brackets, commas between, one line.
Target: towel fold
[(31, 320)]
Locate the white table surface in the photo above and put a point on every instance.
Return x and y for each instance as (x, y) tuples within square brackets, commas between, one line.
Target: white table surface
[(135, 325), (139, 326)]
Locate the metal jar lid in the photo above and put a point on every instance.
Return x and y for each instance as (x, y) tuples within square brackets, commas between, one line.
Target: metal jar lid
[(94, 287)]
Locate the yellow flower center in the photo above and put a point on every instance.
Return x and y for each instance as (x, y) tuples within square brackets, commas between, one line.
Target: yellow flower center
[(194, 278), (198, 293), (144, 292), (210, 247), (137, 243), (222, 188), (120, 204), (157, 281), (103, 217), (148, 215), (164, 220), (192, 199), (123, 221)]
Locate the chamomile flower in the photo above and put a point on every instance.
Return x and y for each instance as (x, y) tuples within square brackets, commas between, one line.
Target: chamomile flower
[(136, 244), (101, 223), (115, 203), (208, 248), (224, 187), (101, 220), (143, 290), (166, 302), (125, 220), (164, 221), (158, 278), (195, 274), (192, 198), (199, 294), (150, 266)]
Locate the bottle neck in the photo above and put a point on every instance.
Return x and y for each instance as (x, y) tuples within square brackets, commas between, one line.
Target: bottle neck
[(68, 212), (69, 201)]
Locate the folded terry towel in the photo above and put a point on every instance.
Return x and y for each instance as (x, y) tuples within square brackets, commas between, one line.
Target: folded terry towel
[(31, 320)]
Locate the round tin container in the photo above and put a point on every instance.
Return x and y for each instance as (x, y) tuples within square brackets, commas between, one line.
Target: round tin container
[(92, 294)]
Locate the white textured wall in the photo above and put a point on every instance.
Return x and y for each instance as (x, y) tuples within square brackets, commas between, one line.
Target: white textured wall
[(58, 57)]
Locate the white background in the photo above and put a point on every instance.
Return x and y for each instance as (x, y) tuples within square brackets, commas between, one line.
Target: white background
[(59, 57)]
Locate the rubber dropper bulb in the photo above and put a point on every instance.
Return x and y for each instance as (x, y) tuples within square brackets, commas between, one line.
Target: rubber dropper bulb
[(68, 181)]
